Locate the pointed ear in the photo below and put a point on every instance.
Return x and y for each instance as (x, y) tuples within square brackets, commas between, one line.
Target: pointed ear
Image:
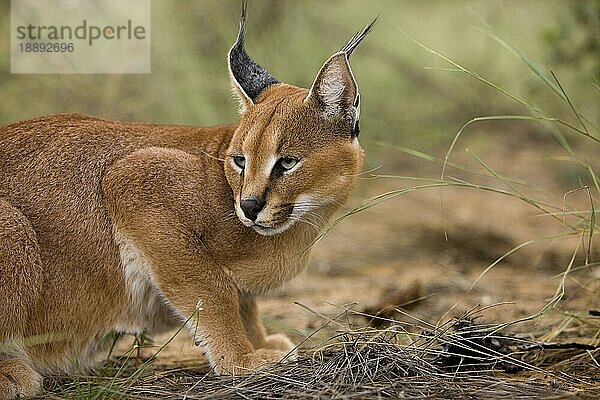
[(334, 89), (248, 79)]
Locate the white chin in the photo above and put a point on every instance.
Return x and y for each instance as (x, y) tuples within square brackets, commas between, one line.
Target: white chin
[(267, 231)]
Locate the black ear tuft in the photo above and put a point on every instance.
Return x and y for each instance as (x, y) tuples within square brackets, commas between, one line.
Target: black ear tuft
[(357, 38), (250, 78)]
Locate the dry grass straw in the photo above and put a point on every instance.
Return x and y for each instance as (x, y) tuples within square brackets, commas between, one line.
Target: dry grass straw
[(457, 360)]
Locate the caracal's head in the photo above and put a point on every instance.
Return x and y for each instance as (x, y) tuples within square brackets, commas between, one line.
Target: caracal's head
[(295, 151)]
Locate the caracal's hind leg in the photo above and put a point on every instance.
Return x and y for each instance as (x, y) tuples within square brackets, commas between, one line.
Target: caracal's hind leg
[(20, 284), (256, 331)]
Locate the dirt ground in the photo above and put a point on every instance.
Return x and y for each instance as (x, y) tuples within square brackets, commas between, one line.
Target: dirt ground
[(395, 254)]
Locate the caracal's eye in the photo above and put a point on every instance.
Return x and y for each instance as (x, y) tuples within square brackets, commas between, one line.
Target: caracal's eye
[(240, 161), (287, 163)]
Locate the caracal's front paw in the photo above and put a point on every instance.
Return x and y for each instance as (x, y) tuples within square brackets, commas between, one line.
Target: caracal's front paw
[(282, 343), (252, 362), (18, 380)]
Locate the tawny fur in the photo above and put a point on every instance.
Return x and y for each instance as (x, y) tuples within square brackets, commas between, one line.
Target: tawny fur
[(112, 226), (120, 226)]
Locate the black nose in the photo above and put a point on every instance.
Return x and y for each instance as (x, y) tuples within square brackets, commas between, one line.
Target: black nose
[(251, 207)]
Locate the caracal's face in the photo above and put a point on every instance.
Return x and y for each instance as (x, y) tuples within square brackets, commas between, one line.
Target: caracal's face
[(287, 161)]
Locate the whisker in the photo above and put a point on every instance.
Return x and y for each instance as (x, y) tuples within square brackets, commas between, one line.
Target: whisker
[(313, 218), (299, 219), (211, 156), (317, 217)]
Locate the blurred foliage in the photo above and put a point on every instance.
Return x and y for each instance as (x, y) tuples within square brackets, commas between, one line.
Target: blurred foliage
[(403, 101), (575, 38)]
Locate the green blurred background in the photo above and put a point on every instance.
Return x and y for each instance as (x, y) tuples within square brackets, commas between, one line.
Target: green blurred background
[(403, 101)]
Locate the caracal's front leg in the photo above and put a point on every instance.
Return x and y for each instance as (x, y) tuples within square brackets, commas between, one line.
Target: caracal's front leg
[(256, 331), (204, 296), (150, 196)]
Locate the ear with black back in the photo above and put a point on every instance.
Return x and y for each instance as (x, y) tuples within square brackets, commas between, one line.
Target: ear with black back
[(248, 79)]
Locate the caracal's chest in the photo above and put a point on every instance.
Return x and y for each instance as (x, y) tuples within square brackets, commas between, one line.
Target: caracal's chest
[(257, 268)]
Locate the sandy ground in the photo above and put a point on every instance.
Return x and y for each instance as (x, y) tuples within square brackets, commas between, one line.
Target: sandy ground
[(396, 254)]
